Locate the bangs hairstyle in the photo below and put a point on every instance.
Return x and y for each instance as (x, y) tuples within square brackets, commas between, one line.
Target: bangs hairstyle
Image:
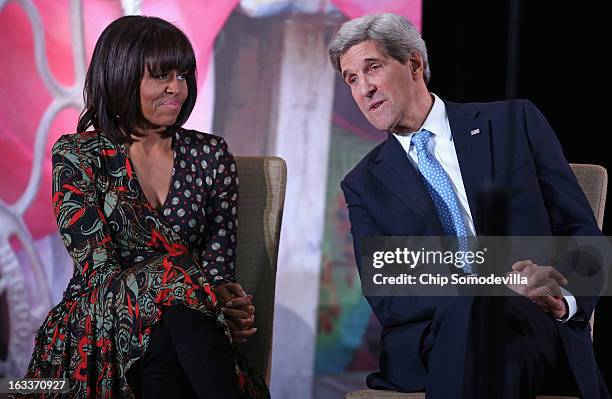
[(112, 85)]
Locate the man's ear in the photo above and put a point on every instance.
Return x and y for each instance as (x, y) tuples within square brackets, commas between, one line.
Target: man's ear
[(415, 63)]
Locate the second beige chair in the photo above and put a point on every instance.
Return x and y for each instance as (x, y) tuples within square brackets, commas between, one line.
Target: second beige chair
[(260, 212)]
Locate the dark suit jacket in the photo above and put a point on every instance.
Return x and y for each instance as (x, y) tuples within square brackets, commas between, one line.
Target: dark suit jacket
[(516, 145)]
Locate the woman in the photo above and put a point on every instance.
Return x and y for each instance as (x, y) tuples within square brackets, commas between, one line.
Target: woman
[(147, 210)]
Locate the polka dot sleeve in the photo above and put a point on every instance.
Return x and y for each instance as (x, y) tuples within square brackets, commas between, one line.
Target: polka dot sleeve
[(218, 250)]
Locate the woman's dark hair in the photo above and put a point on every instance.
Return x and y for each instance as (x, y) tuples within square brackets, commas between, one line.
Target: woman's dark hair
[(112, 86)]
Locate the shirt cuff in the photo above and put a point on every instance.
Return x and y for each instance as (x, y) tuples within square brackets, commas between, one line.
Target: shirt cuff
[(572, 307)]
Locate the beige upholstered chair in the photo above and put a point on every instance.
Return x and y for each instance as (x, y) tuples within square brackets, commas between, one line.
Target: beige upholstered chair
[(593, 180), (260, 212)]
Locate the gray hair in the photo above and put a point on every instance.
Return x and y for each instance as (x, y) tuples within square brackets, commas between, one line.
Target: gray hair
[(396, 36)]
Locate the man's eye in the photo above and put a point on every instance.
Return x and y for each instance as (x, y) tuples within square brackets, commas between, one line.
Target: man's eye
[(351, 80), (375, 67)]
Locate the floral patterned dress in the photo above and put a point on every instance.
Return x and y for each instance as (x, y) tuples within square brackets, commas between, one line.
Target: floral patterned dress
[(131, 260)]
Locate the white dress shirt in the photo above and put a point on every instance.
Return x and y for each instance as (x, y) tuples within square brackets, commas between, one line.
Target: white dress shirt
[(442, 147)]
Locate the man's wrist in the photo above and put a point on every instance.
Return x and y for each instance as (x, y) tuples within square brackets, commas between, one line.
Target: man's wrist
[(571, 307), (566, 312)]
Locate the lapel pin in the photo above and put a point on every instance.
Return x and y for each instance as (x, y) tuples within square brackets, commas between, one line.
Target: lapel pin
[(475, 131)]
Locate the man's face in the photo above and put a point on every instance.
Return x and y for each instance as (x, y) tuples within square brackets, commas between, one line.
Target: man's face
[(383, 88)]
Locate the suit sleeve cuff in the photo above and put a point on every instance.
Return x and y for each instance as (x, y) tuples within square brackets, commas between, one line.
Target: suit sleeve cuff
[(572, 307)]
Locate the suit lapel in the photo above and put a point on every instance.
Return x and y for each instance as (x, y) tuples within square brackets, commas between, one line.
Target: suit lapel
[(395, 171), (471, 135)]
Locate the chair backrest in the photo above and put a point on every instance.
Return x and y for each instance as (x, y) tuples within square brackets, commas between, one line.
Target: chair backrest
[(593, 180), (260, 212)]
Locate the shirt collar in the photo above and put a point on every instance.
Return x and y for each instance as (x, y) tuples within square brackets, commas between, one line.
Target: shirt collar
[(436, 122)]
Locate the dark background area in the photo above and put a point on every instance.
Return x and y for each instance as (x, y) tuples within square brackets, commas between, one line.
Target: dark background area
[(558, 63)]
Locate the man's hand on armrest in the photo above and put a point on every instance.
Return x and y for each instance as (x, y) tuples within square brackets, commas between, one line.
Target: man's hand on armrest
[(544, 288)]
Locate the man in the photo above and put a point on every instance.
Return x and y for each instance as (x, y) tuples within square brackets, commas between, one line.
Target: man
[(427, 341)]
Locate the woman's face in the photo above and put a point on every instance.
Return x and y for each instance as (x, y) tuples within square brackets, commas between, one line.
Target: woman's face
[(162, 96)]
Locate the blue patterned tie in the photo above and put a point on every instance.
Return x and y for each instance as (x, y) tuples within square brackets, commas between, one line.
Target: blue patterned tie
[(441, 191)]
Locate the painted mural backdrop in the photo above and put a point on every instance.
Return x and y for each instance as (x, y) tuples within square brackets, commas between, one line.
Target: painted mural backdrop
[(347, 330)]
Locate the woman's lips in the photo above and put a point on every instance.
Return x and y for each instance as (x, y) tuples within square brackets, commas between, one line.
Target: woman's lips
[(171, 104)]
